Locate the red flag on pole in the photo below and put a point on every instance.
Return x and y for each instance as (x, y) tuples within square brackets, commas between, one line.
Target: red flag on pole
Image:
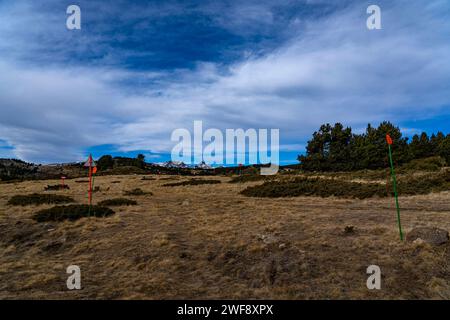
[(89, 163), (389, 139)]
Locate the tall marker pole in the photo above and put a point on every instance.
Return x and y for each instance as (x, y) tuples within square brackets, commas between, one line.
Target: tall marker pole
[(90, 180), (394, 182), (94, 171)]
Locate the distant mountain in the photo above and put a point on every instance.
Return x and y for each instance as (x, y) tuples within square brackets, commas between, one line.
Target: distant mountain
[(173, 164), (202, 165)]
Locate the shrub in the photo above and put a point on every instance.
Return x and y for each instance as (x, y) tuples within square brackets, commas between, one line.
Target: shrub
[(424, 184), (36, 198), (137, 192), (346, 189), (192, 182), (71, 212), (56, 187), (248, 178), (117, 202), (349, 230), (426, 164), (315, 187)]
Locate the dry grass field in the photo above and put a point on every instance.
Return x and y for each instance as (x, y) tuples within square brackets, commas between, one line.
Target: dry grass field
[(209, 242)]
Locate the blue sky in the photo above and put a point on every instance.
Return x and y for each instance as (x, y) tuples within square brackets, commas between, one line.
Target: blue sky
[(138, 70)]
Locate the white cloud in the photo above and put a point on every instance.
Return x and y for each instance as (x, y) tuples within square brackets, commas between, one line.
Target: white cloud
[(334, 70)]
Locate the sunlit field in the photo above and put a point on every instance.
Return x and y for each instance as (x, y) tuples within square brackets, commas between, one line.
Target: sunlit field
[(209, 241)]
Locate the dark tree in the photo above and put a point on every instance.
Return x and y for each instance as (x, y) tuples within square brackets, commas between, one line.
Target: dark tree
[(105, 162), (337, 149)]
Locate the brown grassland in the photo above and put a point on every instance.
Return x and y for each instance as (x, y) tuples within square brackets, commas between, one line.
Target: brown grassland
[(208, 241)]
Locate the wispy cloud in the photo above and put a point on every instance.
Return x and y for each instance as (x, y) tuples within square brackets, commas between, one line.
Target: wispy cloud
[(316, 68)]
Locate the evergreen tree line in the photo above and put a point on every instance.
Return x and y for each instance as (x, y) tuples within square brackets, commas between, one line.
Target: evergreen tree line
[(335, 148), (108, 162)]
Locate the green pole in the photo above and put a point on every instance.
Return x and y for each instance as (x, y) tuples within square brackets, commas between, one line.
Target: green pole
[(394, 181), (92, 192)]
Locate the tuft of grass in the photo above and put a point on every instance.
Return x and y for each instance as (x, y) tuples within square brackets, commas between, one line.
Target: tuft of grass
[(36, 199), (117, 202), (137, 192), (191, 182), (71, 212)]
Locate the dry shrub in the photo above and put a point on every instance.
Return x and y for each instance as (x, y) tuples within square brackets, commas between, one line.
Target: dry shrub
[(137, 192), (56, 187), (315, 187), (426, 164), (192, 182), (36, 198), (333, 187), (424, 184), (71, 212), (249, 178), (117, 202)]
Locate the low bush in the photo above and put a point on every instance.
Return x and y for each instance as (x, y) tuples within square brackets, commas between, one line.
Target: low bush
[(426, 164), (137, 192), (117, 202), (435, 182), (71, 212), (56, 187), (36, 198), (248, 178), (315, 187), (345, 189), (192, 182)]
